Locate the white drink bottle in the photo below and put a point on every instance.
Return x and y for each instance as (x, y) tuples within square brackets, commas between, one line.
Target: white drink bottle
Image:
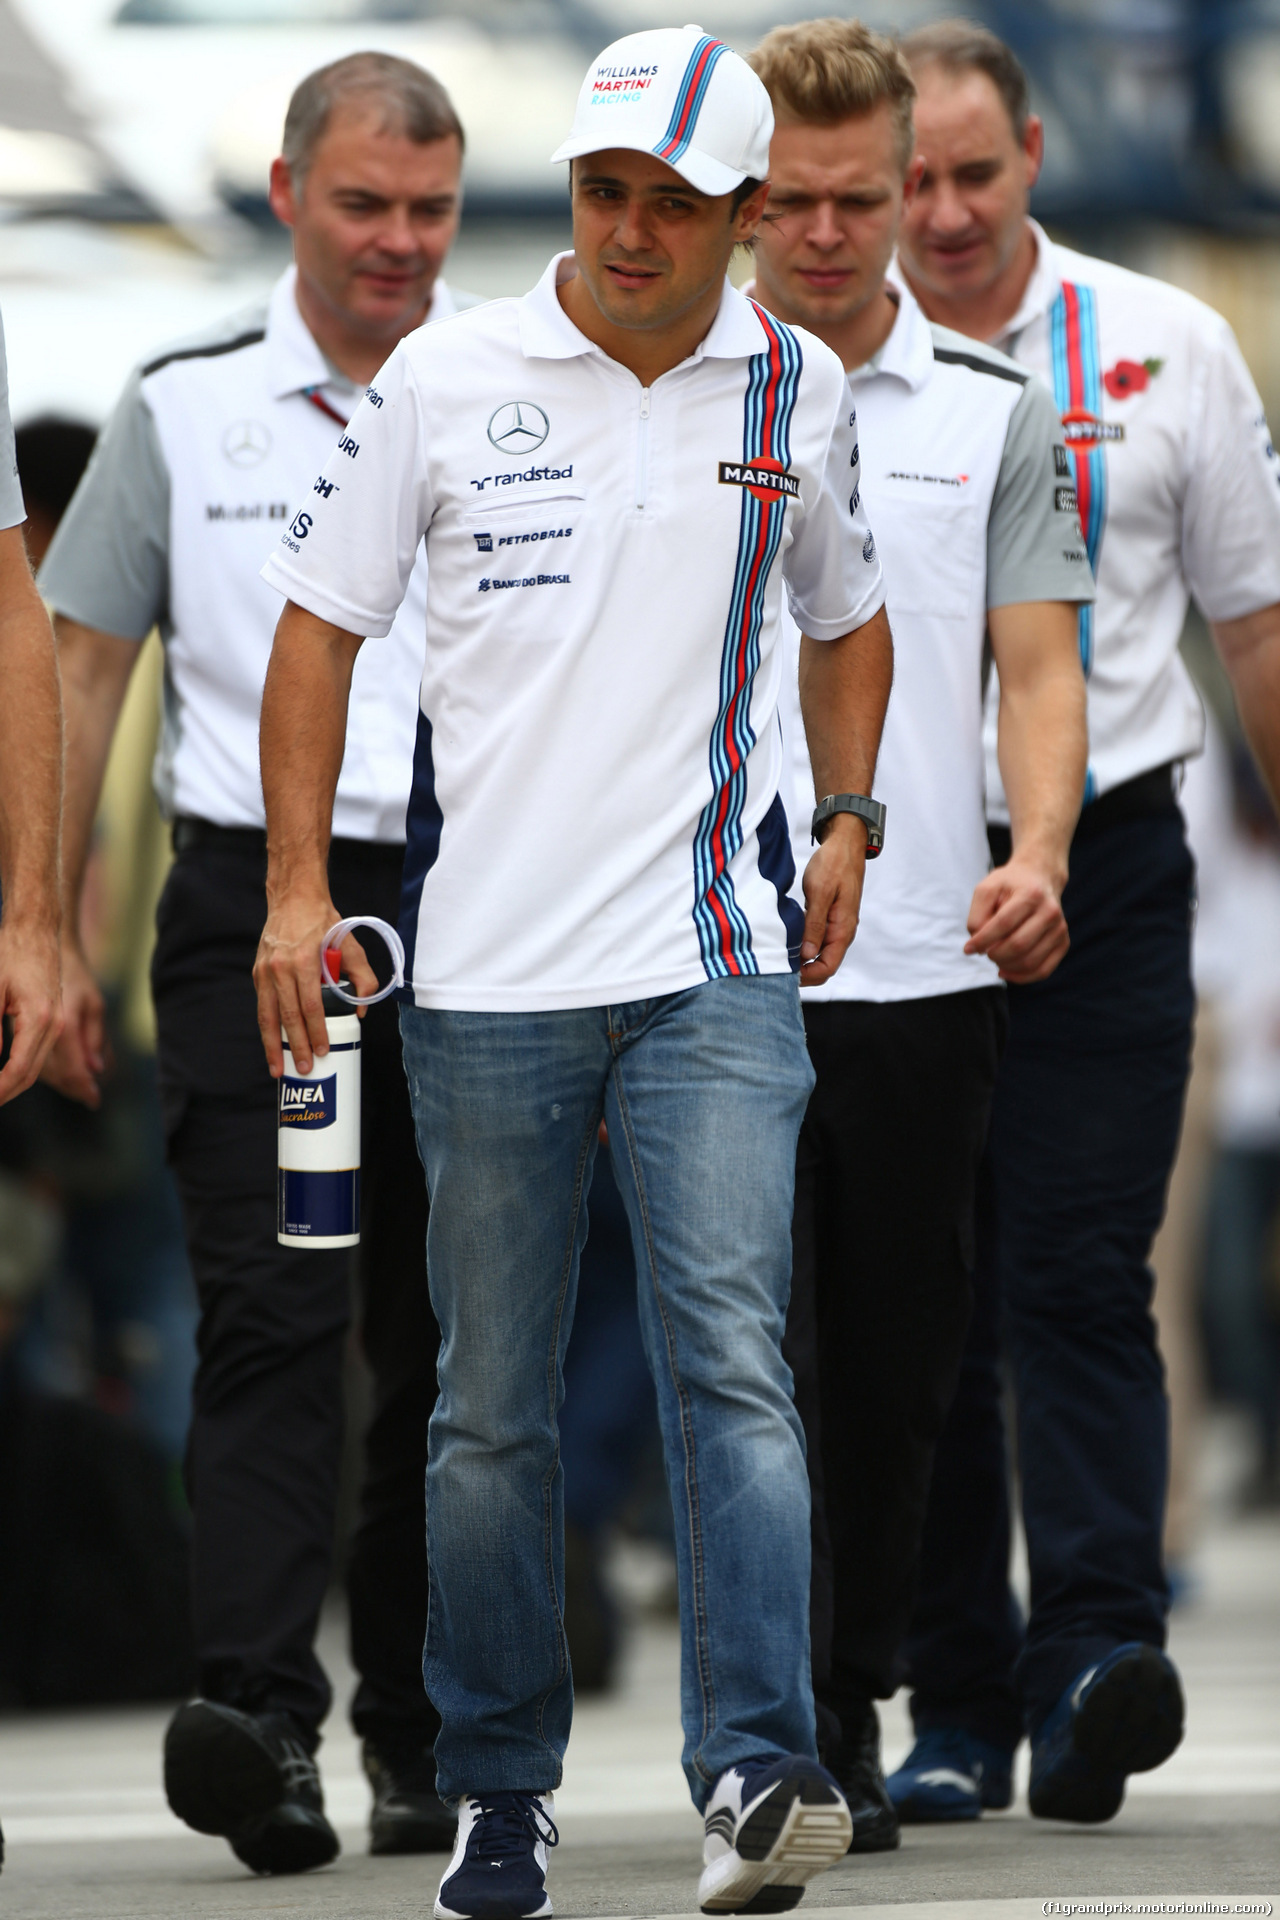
[(318, 1159)]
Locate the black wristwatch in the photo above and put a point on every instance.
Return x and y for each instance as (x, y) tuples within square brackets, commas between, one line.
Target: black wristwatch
[(870, 812)]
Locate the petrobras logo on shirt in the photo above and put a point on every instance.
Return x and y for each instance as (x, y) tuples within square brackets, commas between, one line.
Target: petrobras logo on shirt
[(524, 539), (308, 1103)]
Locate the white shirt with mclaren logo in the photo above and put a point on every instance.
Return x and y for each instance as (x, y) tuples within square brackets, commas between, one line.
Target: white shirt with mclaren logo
[(962, 472), (213, 444), (596, 813), (1179, 489)]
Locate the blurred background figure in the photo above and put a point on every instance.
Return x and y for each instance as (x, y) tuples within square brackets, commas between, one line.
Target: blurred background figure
[(96, 1307), (1238, 951), (93, 1588), (116, 1322)]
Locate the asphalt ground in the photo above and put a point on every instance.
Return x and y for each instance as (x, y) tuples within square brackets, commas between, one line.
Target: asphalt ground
[(89, 1834)]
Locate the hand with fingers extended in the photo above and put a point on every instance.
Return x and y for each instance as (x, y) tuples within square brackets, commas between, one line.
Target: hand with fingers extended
[(833, 895), (78, 1058), (287, 976), (30, 1000), (1016, 919)]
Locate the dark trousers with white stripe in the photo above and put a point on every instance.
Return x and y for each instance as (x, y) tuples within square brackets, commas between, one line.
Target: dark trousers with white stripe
[(266, 1435), (1083, 1132)]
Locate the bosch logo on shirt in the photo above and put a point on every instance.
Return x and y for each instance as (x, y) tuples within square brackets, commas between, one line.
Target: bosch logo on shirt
[(308, 1103)]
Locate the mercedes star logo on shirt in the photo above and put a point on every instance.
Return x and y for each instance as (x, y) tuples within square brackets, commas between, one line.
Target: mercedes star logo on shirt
[(518, 427), (247, 443)]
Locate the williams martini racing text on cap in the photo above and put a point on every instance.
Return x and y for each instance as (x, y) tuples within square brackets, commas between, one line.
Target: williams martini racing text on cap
[(680, 95)]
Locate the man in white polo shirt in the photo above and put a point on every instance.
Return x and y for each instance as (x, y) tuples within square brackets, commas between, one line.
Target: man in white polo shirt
[(618, 478), (212, 444), (1177, 486), (963, 471)]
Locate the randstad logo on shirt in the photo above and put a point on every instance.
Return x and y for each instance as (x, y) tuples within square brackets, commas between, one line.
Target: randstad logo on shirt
[(308, 1103), (762, 476)]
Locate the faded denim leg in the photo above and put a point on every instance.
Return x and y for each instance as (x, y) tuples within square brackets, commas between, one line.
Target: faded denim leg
[(507, 1108), (704, 1107)]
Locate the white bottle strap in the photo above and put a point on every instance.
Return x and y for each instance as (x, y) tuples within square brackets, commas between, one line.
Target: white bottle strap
[(391, 939)]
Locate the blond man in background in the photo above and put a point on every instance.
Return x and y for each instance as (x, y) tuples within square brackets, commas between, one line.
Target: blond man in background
[(962, 472)]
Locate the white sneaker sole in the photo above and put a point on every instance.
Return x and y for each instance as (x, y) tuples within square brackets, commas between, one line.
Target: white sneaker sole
[(505, 1913), (810, 1839)]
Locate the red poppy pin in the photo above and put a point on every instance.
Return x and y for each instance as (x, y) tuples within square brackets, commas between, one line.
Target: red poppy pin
[(1130, 376)]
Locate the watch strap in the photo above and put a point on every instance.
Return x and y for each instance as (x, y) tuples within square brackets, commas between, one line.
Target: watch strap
[(870, 812)]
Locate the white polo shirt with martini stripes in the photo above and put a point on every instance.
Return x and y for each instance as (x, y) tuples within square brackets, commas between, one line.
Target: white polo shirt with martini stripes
[(596, 815), (1179, 492)]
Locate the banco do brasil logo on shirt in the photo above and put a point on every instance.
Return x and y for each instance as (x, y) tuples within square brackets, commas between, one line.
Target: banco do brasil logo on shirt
[(518, 428)]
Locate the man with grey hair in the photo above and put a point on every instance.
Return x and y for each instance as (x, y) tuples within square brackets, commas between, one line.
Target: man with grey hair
[(212, 440)]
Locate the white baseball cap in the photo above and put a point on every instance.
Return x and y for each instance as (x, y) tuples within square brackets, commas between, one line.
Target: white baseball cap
[(678, 94)]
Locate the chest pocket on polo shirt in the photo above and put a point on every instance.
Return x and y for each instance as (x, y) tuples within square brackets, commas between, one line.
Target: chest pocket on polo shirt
[(931, 534), (525, 528)]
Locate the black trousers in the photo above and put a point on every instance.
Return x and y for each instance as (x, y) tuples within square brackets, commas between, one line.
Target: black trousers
[(266, 1433), (1083, 1133), (883, 1251)]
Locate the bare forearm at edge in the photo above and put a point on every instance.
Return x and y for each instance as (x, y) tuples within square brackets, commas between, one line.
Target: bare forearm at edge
[(1250, 650), (844, 691), (96, 668), (1043, 749), (302, 740), (30, 760)]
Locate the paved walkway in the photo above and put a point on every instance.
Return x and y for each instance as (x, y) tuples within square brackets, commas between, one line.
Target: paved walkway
[(89, 1834)]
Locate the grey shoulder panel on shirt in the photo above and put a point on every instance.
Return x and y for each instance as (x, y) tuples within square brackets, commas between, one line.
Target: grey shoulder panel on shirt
[(246, 328), (1035, 548), (958, 350), (108, 564), (250, 338)]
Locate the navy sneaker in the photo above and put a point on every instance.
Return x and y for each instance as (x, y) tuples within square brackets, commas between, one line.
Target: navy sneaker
[(1122, 1716), (950, 1774), (499, 1865), (769, 1829)]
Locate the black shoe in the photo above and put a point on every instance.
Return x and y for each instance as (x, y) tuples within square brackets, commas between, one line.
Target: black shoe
[(408, 1814), (250, 1778), (856, 1765), (590, 1617)]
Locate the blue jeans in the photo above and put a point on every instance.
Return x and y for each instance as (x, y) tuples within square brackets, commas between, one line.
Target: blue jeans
[(703, 1093)]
